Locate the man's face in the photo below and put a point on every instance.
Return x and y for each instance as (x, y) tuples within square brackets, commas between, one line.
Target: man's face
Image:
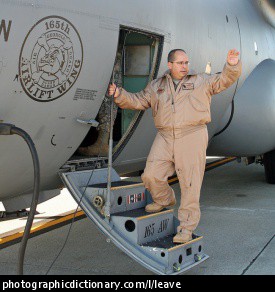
[(179, 67)]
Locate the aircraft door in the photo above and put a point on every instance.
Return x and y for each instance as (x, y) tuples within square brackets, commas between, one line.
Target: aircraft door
[(137, 61), (136, 64), (139, 64)]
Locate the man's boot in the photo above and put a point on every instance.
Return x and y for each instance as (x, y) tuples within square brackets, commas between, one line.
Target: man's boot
[(155, 207), (99, 148), (182, 236)]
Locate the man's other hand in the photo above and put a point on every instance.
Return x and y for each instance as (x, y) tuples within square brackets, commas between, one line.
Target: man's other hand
[(113, 90), (233, 57)]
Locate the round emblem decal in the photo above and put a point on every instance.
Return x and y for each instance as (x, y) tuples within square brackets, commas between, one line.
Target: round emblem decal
[(51, 59)]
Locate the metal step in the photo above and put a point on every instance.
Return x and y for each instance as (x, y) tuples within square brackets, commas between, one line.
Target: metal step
[(139, 227), (125, 196), (147, 238), (178, 258), (77, 163)]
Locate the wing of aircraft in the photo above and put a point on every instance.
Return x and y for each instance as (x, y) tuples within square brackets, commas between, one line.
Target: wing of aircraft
[(58, 57)]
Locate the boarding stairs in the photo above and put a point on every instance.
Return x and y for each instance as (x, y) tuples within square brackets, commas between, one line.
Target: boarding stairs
[(147, 238)]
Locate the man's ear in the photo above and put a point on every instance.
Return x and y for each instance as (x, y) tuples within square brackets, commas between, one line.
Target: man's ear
[(169, 65)]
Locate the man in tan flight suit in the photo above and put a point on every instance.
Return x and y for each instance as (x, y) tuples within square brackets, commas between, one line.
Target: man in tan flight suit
[(180, 103)]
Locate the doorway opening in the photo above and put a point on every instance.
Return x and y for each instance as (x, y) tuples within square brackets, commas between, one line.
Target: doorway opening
[(137, 63)]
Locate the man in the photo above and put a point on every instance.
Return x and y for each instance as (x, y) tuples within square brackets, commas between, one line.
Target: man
[(180, 102)]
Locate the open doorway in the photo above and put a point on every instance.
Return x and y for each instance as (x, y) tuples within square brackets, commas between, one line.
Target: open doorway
[(137, 62)]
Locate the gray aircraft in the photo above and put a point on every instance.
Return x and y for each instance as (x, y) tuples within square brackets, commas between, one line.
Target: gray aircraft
[(58, 57)]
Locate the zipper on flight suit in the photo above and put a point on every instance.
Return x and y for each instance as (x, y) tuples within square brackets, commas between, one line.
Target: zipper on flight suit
[(172, 98), (172, 89), (173, 105)]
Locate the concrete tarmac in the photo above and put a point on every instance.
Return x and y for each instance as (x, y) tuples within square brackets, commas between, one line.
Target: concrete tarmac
[(237, 222)]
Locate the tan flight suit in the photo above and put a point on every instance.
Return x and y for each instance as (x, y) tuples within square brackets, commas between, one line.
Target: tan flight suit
[(180, 145)]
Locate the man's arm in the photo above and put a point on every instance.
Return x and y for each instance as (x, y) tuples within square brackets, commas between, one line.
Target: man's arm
[(230, 74), (133, 101)]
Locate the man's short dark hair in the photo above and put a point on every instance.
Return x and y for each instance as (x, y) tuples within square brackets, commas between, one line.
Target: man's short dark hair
[(171, 55)]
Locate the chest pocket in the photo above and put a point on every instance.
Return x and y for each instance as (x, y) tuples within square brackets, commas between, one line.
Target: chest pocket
[(160, 97), (197, 104), (155, 108)]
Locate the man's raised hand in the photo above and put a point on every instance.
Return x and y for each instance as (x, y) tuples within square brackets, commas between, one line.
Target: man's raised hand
[(233, 57)]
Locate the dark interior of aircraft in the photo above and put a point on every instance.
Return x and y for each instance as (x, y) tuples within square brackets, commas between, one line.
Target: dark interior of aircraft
[(138, 64)]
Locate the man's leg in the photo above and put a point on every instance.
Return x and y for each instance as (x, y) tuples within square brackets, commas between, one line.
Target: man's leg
[(190, 159), (159, 167)]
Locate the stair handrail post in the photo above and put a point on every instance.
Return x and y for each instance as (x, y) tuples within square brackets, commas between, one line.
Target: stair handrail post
[(110, 160)]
